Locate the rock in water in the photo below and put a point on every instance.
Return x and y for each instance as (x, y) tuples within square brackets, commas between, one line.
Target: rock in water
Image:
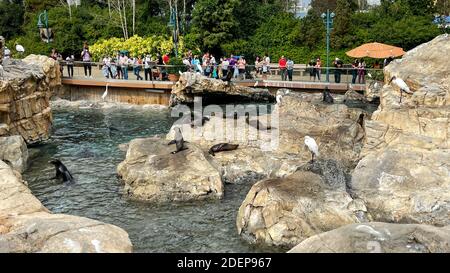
[(192, 84), (151, 173), (404, 175), (25, 91), (286, 211), (379, 238), (27, 226)]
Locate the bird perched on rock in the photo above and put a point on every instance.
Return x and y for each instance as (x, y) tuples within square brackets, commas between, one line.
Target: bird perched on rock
[(312, 146), (279, 98), (1, 71), (402, 85)]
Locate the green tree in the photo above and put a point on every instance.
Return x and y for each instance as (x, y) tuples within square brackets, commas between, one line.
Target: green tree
[(11, 18), (343, 23)]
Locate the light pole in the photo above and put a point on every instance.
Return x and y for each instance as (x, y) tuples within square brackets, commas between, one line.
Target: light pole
[(44, 23), (174, 23), (328, 20)]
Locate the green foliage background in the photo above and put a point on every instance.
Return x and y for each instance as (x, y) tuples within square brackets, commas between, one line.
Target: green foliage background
[(244, 27)]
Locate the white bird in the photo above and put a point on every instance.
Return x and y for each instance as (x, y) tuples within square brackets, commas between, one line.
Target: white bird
[(256, 84), (370, 75), (279, 98), (105, 93), (402, 85), (312, 146), (1, 71), (375, 85), (20, 48)]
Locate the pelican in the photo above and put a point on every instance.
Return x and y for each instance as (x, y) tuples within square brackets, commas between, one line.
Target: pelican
[(402, 85), (105, 93), (312, 146), (20, 48)]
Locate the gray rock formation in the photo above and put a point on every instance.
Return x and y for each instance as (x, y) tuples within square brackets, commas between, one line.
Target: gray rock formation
[(13, 150), (151, 173), (25, 90), (192, 84), (405, 173), (379, 238), (286, 211), (27, 226)]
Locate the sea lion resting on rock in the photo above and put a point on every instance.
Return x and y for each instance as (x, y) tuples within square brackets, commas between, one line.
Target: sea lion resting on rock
[(62, 171), (222, 147)]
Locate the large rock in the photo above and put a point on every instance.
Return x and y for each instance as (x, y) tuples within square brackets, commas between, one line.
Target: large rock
[(334, 127), (13, 150), (25, 91), (193, 84), (151, 173), (27, 226), (379, 238), (405, 173), (286, 211)]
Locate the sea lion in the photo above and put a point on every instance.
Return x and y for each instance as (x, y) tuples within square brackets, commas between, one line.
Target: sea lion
[(327, 98), (62, 171), (179, 141), (222, 147)]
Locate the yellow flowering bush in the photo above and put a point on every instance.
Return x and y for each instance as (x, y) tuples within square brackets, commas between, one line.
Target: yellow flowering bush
[(135, 45)]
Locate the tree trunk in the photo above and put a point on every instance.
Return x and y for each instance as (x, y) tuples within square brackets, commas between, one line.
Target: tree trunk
[(134, 16)]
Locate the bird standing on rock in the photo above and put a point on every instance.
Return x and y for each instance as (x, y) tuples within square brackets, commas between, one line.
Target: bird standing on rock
[(402, 85), (312, 146)]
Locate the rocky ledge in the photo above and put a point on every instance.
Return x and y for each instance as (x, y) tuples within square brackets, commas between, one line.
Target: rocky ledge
[(152, 173), (25, 90), (404, 175), (194, 84), (27, 226)]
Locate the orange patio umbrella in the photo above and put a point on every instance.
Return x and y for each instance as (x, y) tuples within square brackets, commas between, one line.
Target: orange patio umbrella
[(376, 51)]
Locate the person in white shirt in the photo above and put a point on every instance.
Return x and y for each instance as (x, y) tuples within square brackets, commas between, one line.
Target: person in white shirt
[(148, 68), (69, 61), (123, 62)]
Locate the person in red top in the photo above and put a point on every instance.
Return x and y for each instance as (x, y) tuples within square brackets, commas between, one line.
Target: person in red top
[(166, 59), (283, 67)]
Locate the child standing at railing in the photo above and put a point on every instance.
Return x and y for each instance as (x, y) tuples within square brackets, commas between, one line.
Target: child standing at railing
[(69, 61)]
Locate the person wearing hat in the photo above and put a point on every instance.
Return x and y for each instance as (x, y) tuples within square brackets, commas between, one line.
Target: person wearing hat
[(338, 64)]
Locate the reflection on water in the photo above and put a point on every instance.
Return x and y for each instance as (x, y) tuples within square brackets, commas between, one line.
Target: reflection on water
[(86, 141)]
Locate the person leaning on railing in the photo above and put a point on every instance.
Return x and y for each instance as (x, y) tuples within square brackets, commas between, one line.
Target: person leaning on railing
[(86, 57), (290, 68)]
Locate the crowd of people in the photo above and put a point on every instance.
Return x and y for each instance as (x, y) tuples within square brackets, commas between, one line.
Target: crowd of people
[(234, 66)]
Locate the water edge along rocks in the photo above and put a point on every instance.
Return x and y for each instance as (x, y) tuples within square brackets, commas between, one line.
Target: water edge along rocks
[(27, 226)]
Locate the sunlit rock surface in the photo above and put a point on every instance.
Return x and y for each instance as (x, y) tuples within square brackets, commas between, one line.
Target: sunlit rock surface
[(25, 90), (13, 151), (378, 237), (405, 173)]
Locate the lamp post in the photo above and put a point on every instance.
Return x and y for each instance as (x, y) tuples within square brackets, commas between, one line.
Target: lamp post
[(328, 20), (173, 23), (43, 23)]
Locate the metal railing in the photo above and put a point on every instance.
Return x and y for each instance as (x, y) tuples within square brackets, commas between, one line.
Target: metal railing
[(300, 72)]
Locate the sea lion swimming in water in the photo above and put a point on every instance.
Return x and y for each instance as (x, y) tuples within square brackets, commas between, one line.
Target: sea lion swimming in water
[(327, 98), (222, 147), (179, 141), (62, 171)]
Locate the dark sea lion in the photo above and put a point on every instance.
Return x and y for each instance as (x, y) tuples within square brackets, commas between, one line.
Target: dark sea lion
[(179, 141), (222, 147), (62, 172), (327, 98)]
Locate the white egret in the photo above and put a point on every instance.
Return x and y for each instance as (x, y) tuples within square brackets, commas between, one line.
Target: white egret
[(1, 71), (370, 75), (105, 93), (279, 98), (312, 146), (402, 85), (256, 84), (20, 48)]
